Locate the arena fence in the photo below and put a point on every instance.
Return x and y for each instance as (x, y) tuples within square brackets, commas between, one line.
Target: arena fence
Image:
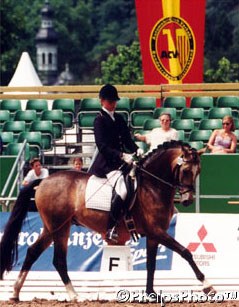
[(132, 91)]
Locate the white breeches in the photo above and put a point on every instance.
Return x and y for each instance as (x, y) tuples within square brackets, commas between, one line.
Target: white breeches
[(116, 179)]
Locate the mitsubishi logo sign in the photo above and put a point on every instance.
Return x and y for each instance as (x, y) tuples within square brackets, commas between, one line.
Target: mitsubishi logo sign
[(208, 246)]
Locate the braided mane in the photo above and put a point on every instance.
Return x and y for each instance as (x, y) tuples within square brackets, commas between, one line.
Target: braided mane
[(155, 153)]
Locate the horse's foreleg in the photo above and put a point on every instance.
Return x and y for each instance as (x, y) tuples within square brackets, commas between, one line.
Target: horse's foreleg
[(152, 247), (60, 251), (33, 253), (171, 243)]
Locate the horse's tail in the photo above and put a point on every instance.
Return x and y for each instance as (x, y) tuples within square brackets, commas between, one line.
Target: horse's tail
[(9, 242)]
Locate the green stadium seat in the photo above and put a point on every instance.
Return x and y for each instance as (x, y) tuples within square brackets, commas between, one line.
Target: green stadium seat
[(28, 116), (138, 118), (34, 139), (183, 124), (39, 105), (7, 137), (197, 114), (68, 108), (15, 126), (90, 104), (236, 123), (228, 102), (56, 116), (123, 107), (86, 120), (196, 144), (151, 123), (4, 117), (181, 135), (210, 124), (13, 149), (47, 132), (144, 103), (142, 109), (158, 111), (219, 112), (200, 135), (205, 102), (177, 102), (12, 105)]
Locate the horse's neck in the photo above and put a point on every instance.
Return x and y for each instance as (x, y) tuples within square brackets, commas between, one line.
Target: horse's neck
[(163, 165)]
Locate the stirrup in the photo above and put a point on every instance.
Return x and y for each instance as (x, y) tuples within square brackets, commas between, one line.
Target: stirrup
[(112, 235)]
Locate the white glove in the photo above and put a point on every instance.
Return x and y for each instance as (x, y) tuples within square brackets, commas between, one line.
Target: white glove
[(140, 152), (128, 158)]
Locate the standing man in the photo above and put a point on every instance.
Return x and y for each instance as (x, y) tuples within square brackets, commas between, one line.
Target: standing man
[(115, 146)]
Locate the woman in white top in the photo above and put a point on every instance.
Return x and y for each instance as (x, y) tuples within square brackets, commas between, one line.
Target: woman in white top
[(158, 136), (37, 172)]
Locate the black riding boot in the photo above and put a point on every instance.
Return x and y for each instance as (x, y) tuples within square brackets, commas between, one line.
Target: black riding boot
[(115, 213)]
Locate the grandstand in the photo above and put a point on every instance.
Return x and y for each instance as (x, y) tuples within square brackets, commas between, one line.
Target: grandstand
[(58, 121)]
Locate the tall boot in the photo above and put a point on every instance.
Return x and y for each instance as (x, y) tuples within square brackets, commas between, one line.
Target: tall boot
[(115, 213)]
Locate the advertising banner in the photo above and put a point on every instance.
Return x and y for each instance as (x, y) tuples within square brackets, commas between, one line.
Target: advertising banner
[(213, 240), (85, 248), (171, 34)]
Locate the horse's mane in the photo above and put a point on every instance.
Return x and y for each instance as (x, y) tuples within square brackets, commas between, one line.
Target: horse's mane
[(157, 152)]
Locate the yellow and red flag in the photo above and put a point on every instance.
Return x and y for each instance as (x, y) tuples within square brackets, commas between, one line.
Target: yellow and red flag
[(171, 36)]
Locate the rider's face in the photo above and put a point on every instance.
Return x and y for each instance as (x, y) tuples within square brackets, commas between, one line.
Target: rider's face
[(109, 105)]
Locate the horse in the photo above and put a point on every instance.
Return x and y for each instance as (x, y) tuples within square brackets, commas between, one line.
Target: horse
[(60, 200)]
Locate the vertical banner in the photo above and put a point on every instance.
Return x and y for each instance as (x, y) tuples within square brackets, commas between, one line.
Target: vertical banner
[(171, 36)]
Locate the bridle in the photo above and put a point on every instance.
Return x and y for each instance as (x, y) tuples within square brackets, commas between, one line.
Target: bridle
[(176, 184), (182, 188)]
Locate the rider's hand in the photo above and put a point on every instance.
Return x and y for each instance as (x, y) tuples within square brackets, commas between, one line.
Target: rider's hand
[(140, 152), (128, 158)]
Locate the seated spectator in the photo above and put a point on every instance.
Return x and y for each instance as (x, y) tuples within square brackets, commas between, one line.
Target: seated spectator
[(77, 163), (158, 136), (37, 172), (223, 140), (30, 184)]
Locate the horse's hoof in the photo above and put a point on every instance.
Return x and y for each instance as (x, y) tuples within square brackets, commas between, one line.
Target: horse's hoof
[(209, 291), (14, 299)]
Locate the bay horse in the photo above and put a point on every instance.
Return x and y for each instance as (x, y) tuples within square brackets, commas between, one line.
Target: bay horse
[(60, 200)]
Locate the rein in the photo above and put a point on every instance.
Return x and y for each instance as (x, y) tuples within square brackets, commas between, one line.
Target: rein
[(175, 173)]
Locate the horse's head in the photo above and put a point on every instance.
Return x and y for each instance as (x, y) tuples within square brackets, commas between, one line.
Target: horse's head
[(186, 169)]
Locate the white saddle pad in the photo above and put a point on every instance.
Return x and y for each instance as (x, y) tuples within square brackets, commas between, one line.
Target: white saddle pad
[(98, 193)]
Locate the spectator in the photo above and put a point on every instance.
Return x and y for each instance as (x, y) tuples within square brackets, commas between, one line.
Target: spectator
[(30, 184), (223, 140), (37, 172), (77, 163), (160, 135)]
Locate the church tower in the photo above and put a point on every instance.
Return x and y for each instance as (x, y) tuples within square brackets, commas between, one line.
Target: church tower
[(46, 45)]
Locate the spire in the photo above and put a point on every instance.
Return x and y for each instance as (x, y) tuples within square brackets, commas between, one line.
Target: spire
[(46, 45)]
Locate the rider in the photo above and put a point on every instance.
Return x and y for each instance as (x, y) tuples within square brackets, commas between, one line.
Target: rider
[(113, 140)]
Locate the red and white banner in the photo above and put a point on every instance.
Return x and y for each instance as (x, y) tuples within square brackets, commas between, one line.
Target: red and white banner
[(171, 36)]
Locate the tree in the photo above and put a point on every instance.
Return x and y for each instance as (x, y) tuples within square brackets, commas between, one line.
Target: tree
[(225, 72), (124, 67)]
